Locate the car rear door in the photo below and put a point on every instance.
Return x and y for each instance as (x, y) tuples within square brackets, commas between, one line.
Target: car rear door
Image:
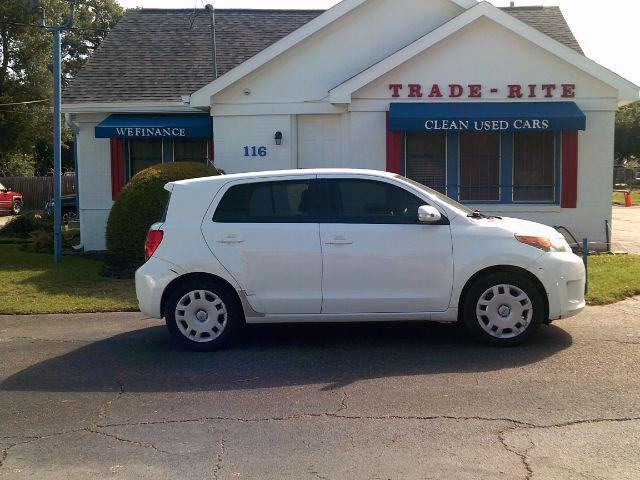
[(266, 234), (377, 258)]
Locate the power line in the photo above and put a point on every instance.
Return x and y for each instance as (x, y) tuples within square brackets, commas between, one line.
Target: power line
[(22, 103)]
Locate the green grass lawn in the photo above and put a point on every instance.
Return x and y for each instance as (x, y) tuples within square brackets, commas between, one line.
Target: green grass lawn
[(618, 198), (613, 278), (32, 283)]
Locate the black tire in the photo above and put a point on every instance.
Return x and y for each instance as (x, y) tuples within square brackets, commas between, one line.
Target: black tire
[(474, 321), (69, 216), (176, 326), (16, 207)]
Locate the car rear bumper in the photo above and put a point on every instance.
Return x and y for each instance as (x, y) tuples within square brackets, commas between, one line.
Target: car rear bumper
[(151, 281), (563, 277)]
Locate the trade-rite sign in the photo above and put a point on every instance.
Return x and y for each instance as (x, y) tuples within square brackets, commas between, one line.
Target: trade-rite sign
[(454, 90)]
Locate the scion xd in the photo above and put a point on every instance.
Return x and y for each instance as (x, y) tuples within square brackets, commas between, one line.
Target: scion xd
[(348, 246)]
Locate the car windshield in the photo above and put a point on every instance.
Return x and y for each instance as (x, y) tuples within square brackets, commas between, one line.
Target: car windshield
[(439, 196)]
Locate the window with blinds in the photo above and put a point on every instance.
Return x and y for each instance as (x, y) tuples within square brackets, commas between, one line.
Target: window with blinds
[(426, 159), (534, 167), (479, 166)]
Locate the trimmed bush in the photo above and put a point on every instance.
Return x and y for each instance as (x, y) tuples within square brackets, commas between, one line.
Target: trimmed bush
[(140, 205)]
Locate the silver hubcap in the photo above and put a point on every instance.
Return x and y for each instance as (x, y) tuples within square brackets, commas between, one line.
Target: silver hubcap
[(504, 311), (201, 316)]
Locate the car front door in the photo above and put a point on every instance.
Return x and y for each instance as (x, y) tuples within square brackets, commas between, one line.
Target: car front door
[(266, 234), (376, 257)]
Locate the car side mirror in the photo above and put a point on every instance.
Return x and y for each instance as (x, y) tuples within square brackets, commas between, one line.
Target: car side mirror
[(429, 215)]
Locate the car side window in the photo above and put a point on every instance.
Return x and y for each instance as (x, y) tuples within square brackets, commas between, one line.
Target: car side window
[(369, 202), (294, 201)]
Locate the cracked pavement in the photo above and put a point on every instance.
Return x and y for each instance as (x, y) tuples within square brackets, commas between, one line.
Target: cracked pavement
[(109, 396)]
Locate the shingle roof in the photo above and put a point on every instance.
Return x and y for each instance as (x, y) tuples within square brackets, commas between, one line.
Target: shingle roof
[(548, 20), (160, 55)]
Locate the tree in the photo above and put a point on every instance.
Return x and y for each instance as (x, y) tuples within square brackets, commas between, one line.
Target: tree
[(25, 74), (628, 134)]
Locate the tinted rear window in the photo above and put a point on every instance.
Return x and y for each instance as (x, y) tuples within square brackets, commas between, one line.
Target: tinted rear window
[(269, 202)]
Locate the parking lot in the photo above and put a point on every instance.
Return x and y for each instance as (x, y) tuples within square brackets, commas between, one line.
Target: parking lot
[(109, 396)]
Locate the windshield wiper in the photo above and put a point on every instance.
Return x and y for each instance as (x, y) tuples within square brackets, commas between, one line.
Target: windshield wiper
[(479, 215)]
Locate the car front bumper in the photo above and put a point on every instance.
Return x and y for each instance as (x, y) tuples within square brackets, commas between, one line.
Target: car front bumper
[(563, 277), (152, 280)]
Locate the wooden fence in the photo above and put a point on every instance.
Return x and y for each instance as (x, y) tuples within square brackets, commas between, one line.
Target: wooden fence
[(37, 191)]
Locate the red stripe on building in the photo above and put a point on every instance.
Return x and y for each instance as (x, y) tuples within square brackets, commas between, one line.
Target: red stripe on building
[(569, 169), (394, 150), (117, 167)]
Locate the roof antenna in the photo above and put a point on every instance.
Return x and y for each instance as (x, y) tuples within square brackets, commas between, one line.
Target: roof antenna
[(208, 7)]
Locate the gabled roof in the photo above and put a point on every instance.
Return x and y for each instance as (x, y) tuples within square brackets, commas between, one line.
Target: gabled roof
[(155, 56), (160, 55), (627, 90)]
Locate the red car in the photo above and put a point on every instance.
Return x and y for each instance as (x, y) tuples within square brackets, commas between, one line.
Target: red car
[(10, 201)]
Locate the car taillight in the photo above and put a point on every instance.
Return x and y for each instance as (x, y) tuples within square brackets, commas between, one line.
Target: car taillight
[(154, 237)]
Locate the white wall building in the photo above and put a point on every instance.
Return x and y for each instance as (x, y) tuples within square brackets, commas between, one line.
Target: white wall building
[(497, 108)]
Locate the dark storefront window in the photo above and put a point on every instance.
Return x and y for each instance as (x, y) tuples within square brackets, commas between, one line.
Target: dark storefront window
[(144, 154), (479, 166), (534, 166), (195, 150), (426, 157)]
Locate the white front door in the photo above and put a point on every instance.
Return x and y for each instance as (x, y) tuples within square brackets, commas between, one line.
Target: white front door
[(376, 257), (266, 234), (319, 141)]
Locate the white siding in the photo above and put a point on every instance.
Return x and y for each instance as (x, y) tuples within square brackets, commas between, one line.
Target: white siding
[(94, 179), (234, 133)]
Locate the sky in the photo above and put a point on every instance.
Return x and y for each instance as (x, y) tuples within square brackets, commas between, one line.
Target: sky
[(607, 30)]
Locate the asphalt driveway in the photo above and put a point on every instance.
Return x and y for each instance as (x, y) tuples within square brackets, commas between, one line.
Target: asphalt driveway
[(110, 397)]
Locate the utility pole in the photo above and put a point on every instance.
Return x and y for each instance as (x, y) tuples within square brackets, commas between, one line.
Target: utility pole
[(56, 29)]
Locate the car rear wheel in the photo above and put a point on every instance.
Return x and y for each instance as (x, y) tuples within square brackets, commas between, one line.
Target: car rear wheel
[(202, 315), (503, 309), (69, 216), (16, 207)]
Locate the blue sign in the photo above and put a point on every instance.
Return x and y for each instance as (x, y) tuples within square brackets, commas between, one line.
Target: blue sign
[(489, 116), (155, 126)]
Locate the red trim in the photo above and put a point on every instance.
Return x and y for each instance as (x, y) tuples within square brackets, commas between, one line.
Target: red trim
[(570, 169), (117, 167), (394, 150)]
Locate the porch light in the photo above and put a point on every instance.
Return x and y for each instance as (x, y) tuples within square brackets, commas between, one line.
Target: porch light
[(278, 138)]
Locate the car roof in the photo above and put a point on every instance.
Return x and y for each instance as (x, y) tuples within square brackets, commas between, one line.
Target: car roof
[(282, 173)]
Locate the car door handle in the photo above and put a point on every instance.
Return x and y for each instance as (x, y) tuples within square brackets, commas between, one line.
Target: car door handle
[(340, 241), (231, 239)]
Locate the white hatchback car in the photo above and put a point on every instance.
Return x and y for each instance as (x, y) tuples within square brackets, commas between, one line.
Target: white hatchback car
[(348, 246)]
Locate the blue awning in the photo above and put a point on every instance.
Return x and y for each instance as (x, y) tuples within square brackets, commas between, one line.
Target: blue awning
[(493, 116), (155, 126)]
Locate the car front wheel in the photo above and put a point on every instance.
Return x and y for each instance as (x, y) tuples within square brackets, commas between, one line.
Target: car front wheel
[(503, 309), (202, 315), (16, 208)]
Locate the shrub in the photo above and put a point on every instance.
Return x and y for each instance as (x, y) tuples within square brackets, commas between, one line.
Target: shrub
[(41, 241), (140, 205), (25, 224)]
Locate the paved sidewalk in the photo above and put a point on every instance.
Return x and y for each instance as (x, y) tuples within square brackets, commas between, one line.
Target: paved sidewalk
[(108, 396), (626, 230), (4, 219)]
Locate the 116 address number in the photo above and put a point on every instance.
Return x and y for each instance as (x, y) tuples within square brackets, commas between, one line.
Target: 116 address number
[(255, 151)]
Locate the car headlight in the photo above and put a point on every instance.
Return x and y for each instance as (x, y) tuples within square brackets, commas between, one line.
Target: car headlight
[(545, 243)]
